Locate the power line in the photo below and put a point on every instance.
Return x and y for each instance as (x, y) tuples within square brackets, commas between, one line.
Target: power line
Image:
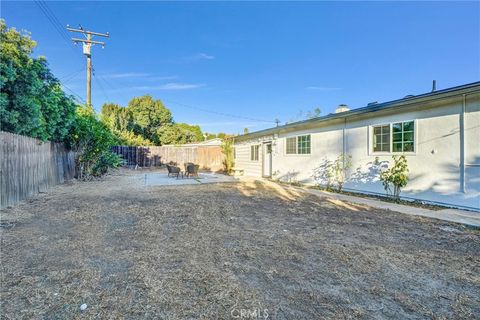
[(77, 96), (48, 13), (202, 109), (97, 79), (219, 113), (71, 76)]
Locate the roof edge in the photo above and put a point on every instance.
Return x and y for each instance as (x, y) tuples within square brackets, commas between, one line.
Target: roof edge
[(452, 91)]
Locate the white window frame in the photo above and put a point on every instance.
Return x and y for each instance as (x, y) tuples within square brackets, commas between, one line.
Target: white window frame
[(296, 154), (257, 147), (391, 152)]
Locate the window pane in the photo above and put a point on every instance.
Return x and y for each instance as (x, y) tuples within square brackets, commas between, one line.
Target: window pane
[(408, 147), (408, 126), (397, 127), (386, 138), (291, 145), (381, 138), (408, 136), (303, 144), (397, 137), (397, 147)]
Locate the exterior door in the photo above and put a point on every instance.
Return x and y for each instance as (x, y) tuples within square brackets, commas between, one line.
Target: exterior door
[(267, 160)]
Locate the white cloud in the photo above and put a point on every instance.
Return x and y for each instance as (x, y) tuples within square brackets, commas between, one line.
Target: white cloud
[(172, 86), (320, 88), (125, 75), (137, 75), (199, 56)]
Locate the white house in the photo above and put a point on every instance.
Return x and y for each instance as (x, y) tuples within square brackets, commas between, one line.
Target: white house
[(439, 132)]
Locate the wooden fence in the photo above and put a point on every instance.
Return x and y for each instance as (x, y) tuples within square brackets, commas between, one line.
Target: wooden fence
[(29, 166), (208, 157)]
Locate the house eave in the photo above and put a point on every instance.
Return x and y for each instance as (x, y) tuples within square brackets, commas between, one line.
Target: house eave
[(392, 106)]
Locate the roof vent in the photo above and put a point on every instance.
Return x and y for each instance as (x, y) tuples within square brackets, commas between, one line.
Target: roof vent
[(372, 103), (434, 85), (342, 108)]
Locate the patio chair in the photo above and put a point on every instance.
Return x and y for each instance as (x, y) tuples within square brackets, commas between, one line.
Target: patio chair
[(186, 164), (173, 170), (192, 170)]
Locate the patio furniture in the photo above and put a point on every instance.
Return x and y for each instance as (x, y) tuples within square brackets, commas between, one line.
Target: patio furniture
[(192, 170), (174, 171), (186, 164)]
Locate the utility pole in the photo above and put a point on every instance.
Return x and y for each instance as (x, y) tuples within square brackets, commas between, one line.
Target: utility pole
[(277, 121), (87, 51)]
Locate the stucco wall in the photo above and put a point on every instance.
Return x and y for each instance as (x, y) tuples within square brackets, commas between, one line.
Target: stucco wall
[(435, 167)]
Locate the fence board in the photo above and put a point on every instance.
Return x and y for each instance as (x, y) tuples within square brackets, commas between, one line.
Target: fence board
[(29, 166), (208, 157)]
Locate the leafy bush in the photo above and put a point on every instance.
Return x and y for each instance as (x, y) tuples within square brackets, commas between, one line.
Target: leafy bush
[(92, 141), (227, 149), (396, 176)]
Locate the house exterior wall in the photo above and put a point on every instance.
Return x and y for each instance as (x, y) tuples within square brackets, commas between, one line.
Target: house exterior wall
[(435, 166)]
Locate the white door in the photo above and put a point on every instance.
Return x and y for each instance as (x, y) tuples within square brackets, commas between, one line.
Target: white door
[(267, 160)]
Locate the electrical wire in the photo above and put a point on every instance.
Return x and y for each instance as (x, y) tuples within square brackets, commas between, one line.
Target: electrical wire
[(77, 96), (204, 109)]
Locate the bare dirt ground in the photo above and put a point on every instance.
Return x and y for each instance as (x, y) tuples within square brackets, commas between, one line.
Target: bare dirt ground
[(234, 250)]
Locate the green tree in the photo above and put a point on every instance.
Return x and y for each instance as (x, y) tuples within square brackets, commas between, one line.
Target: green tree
[(31, 100), (193, 132), (149, 116)]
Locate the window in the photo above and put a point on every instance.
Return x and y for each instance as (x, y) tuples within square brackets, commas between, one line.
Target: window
[(394, 137), (298, 145), (303, 143), (403, 136), (292, 145), (254, 152), (381, 139)]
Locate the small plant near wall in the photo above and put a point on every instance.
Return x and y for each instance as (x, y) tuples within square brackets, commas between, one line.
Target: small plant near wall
[(396, 177), (340, 168), (332, 175), (227, 149)]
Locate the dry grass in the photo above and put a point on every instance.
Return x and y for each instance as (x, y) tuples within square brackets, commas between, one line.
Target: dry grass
[(205, 251)]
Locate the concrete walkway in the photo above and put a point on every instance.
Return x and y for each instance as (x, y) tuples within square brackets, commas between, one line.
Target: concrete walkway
[(453, 215)]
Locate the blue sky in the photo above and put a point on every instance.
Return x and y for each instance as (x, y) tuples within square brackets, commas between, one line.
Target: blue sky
[(259, 60)]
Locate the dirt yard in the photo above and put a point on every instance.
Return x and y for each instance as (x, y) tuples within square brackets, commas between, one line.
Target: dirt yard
[(228, 251)]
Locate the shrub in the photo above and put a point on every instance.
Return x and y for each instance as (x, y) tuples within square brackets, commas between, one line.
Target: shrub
[(339, 170), (92, 141), (227, 149), (333, 173), (396, 176)]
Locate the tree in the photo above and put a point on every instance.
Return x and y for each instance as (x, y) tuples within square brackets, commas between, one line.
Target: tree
[(396, 176), (92, 140), (31, 100), (193, 132), (149, 116), (179, 133), (315, 113)]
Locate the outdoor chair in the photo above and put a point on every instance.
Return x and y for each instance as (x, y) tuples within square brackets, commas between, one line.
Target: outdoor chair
[(186, 164), (173, 170), (192, 170)]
